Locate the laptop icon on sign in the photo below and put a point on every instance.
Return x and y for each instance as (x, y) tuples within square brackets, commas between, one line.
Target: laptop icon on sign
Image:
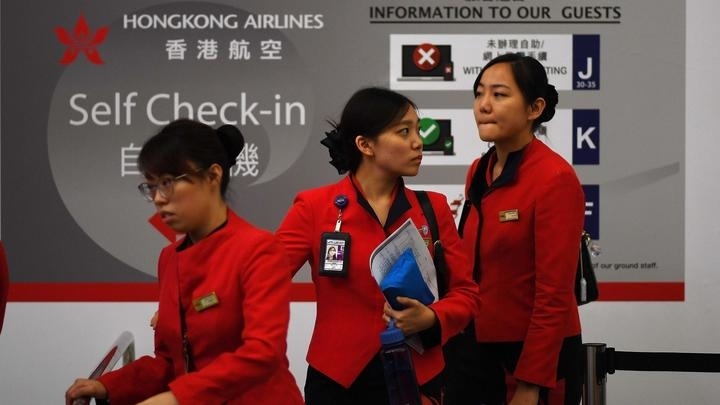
[(436, 136), (427, 62)]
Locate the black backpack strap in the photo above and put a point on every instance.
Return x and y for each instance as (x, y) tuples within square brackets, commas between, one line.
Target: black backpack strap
[(439, 258), (429, 212)]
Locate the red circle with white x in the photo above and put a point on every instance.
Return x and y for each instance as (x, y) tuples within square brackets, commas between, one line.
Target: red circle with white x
[(426, 56)]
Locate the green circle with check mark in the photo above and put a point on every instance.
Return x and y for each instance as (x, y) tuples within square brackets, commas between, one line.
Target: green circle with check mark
[(429, 131)]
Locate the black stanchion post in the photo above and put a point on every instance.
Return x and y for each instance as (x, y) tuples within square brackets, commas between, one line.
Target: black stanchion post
[(594, 385)]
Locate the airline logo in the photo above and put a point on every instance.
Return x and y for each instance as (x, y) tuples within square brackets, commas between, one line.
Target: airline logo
[(81, 39)]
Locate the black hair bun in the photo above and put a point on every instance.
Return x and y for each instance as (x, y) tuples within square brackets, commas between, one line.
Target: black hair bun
[(233, 141), (551, 101)]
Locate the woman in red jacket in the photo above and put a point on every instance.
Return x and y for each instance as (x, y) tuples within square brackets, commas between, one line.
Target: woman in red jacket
[(223, 309), (521, 225), (377, 142)]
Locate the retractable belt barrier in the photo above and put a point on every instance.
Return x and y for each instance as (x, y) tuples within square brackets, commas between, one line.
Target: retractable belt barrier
[(601, 360)]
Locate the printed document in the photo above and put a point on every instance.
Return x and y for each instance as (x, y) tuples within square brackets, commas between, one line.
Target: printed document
[(406, 236)]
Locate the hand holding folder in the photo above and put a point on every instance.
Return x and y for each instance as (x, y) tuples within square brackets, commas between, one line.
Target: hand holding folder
[(386, 259)]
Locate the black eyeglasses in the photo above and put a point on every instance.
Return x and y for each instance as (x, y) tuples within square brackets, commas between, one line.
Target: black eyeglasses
[(165, 186)]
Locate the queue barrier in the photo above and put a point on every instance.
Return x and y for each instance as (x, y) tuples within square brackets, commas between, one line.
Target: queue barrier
[(600, 360)]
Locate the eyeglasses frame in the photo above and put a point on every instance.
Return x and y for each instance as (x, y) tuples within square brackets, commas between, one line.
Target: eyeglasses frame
[(148, 191)]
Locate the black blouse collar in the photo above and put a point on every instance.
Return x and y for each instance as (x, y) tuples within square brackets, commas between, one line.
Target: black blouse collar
[(187, 242), (479, 184), (399, 205)]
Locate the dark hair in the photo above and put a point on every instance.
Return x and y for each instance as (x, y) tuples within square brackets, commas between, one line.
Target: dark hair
[(185, 145), (368, 112), (531, 79)]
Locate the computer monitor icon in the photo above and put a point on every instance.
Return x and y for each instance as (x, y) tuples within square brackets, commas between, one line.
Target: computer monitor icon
[(436, 136), (427, 62)]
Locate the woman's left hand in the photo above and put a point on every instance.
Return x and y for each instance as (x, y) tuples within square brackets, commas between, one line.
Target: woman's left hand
[(415, 317), (525, 394), (166, 398)]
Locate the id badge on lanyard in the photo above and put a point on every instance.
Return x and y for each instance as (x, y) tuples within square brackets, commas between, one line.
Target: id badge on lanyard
[(335, 246)]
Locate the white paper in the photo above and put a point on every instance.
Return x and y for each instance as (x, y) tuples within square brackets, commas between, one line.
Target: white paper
[(387, 252)]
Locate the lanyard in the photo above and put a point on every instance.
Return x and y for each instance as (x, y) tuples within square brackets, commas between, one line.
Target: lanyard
[(340, 202)]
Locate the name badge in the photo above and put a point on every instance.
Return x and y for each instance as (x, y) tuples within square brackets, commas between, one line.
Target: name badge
[(334, 254), (509, 215), (205, 302)]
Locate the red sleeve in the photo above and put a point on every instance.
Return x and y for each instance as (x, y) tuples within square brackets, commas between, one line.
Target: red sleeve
[(144, 377), (266, 311), (4, 283), (294, 232), (137, 381), (559, 215), (460, 304)]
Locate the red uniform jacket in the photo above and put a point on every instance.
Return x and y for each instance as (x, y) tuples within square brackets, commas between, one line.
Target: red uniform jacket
[(349, 310), (525, 246), (238, 344)]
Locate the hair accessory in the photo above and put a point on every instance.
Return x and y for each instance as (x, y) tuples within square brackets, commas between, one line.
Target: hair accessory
[(338, 158)]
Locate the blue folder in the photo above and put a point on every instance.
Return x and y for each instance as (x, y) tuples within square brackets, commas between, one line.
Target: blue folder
[(404, 280)]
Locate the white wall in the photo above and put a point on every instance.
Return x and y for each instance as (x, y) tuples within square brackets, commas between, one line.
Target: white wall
[(43, 347)]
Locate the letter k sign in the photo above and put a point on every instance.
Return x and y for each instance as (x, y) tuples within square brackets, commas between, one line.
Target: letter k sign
[(81, 40)]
